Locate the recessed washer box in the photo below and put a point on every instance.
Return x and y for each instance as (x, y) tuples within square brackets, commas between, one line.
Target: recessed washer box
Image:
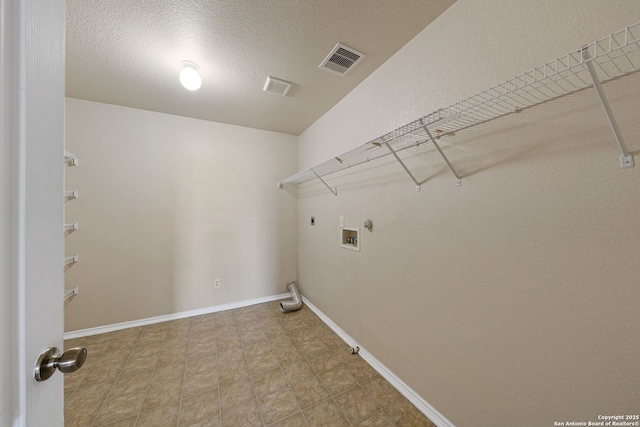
[(350, 238)]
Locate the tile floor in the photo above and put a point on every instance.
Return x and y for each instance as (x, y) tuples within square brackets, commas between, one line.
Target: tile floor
[(252, 366)]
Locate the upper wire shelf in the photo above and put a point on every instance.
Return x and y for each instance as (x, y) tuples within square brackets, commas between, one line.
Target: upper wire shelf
[(613, 56)]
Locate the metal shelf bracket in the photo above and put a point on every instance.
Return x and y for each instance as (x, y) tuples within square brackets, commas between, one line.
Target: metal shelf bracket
[(71, 227), (433, 141), (71, 158), (71, 194), (70, 292), (386, 143), (626, 158), (71, 259), (335, 192)]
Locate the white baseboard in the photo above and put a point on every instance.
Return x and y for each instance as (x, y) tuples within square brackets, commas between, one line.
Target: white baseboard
[(174, 316), (422, 405)]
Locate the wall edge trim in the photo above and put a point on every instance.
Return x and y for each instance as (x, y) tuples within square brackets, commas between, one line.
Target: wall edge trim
[(422, 405), (173, 316)]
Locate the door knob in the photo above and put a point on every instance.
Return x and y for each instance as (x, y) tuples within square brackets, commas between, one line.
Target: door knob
[(67, 362)]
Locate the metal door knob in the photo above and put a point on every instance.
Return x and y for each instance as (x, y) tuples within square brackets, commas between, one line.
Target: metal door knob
[(67, 362)]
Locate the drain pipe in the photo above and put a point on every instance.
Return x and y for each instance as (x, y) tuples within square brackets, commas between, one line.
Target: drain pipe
[(294, 305)]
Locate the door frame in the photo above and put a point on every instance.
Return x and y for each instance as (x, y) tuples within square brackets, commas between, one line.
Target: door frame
[(11, 401)]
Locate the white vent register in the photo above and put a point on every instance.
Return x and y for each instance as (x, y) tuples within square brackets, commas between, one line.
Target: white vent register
[(341, 59)]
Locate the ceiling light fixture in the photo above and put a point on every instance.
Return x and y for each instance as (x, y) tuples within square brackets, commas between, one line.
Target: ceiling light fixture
[(189, 76)]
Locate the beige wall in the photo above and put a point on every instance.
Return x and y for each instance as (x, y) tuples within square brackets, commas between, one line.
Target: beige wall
[(166, 205), (511, 300)]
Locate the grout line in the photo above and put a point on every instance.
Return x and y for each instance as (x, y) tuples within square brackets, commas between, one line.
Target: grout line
[(215, 342), (280, 365), (117, 378), (253, 384), (150, 379), (184, 376)]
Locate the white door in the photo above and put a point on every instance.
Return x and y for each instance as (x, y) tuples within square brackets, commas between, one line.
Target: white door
[(32, 206)]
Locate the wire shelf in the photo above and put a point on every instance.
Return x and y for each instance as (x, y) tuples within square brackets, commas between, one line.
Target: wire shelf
[(613, 56)]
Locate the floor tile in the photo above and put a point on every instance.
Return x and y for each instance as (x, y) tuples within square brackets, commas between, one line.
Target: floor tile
[(359, 369), (297, 371), (165, 387), (263, 363), (208, 422), (278, 405), (296, 420), (381, 391), (231, 372), (129, 422), (288, 356), (198, 408), (84, 405), (246, 415), (324, 362), (338, 380), (309, 391), (257, 348), (109, 366), (124, 399), (325, 414), (403, 413), (199, 383), (162, 416), (199, 363), (236, 393), (379, 419), (269, 382), (356, 404)]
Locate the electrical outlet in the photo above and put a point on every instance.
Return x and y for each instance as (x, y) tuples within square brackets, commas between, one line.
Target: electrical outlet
[(216, 283)]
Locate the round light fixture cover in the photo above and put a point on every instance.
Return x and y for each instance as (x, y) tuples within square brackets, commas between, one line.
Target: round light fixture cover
[(189, 76)]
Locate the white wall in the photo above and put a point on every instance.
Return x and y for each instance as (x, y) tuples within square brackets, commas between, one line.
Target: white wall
[(166, 205), (512, 299)]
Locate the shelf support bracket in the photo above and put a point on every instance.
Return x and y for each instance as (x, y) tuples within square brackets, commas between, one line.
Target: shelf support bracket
[(335, 192), (403, 165), (626, 158), (71, 259), (72, 158), (433, 141), (70, 292), (72, 194), (70, 227)]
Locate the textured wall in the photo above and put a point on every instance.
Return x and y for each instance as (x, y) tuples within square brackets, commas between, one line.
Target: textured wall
[(512, 299), (166, 205)]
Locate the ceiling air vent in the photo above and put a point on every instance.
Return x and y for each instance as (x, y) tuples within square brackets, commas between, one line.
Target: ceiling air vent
[(277, 86), (341, 59)]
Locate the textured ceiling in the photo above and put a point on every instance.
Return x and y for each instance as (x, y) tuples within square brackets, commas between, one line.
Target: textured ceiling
[(129, 52)]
